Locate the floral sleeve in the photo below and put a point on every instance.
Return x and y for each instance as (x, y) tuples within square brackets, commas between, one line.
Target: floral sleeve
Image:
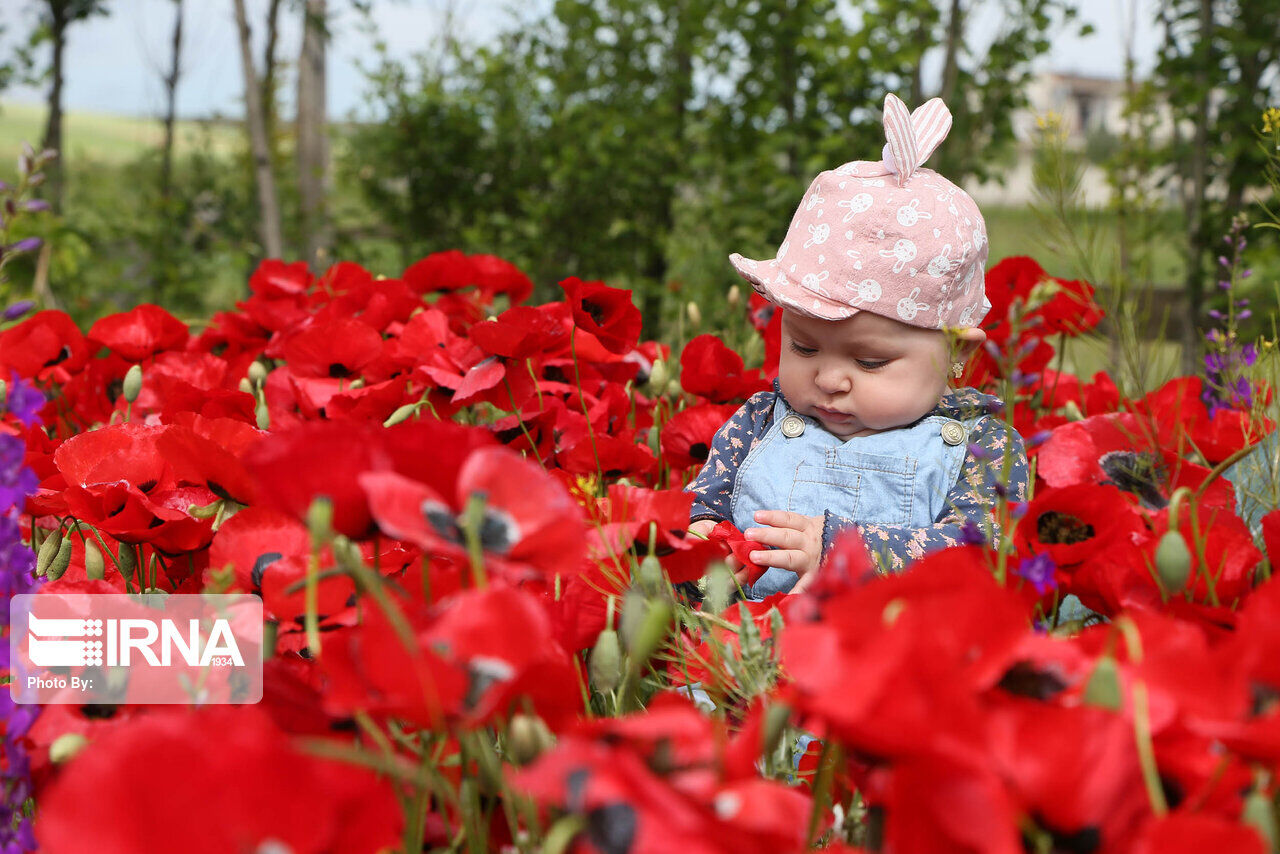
[(968, 512), (713, 487)]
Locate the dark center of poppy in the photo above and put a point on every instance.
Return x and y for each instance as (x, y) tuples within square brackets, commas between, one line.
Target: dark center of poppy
[(612, 828), (441, 519), (498, 531), (1263, 698), (1062, 529), (1083, 841), (699, 451), (63, 355), (147, 485), (1138, 472), (597, 312), (260, 566), (99, 711), (1026, 680), (337, 370)]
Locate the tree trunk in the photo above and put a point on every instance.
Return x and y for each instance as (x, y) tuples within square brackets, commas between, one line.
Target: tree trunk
[(1197, 241), (268, 206), (312, 129), (951, 55), (269, 70), (53, 122), (171, 107)]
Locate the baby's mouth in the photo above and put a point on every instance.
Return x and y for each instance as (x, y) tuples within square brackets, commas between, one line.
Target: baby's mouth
[(832, 414)]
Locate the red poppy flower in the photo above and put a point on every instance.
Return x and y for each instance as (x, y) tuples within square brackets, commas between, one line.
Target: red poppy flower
[(726, 533), (687, 435), (529, 522), (1195, 833), (612, 457), (766, 318), (275, 278), (523, 332), (606, 313), (139, 333), (710, 369), (253, 791), (295, 466), (119, 480), (453, 271), (338, 349), (48, 344)]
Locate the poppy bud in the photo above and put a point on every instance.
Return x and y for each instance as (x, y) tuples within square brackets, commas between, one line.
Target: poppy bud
[(262, 416), (358, 382), (658, 376), (631, 615), (695, 313), (133, 383), (1173, 561), (127, 559), (776, 718), (651, 632), (605, 663), (94, 566), (257, 373), (1260, 814), (47, 552), (650, 574), (1072, 411), (207, 511), (66, 746), (749, 641), (527, 738), (320, 520), (60, 561), (734, 296), (401, 413), (1103, 688), (4, 391), (246, 386), (719, 590)]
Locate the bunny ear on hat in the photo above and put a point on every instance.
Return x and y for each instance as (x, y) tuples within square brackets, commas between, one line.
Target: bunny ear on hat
[(912, 137)]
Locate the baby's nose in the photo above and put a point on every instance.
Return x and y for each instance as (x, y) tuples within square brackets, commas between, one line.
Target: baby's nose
[(833, 379)]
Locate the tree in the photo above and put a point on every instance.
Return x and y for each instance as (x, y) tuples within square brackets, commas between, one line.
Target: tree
[(312, 133), (171, 105), (55, 17), (260, 150), (1218, 68)]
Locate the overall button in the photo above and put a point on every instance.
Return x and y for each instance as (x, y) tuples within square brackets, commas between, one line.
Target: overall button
[(953, 433), (792, 426)]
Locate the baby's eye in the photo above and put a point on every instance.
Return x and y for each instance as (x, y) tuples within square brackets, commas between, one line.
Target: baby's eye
[(801, 350), (872, 364)]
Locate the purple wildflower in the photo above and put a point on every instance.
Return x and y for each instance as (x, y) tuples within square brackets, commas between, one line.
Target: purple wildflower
[(17, 576), (1039, 571), (24, 245), (25, 401), (18, 309), (971, 534)]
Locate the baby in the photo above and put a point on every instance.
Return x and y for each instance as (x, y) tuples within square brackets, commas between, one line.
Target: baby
[(880, 281)]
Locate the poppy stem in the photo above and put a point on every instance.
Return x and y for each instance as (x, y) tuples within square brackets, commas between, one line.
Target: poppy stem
[(1142, 719), (472, 520)]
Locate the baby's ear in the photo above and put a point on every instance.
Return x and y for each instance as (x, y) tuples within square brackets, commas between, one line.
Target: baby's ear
[(965, 341)]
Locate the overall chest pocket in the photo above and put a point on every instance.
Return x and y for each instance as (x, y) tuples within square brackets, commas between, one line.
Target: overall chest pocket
[(875, 488)]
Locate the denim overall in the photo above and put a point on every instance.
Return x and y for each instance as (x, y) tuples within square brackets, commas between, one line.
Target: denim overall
[(898, 477)]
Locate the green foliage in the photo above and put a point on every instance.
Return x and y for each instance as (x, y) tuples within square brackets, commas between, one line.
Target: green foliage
[(642, 141)]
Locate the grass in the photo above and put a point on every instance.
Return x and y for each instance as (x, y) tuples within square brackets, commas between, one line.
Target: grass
[(111, 139)]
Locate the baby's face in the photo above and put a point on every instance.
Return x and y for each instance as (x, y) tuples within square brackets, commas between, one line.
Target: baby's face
[(861, 375)]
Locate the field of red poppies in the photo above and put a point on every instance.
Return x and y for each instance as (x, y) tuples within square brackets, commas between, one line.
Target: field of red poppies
[(465, 519)]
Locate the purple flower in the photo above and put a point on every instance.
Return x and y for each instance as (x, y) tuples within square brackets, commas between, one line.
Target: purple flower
[(17, 576), (35, 205), (24, 245), (1246, 273), (1224, 261), (1039, 571), (25, 400), (18, 309), (971, 534), (1039, 438), (978, 452), (1244, 315), (1215, 314)]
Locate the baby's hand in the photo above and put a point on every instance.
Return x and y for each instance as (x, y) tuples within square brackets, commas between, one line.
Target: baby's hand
[(797, 542), (703, 527)]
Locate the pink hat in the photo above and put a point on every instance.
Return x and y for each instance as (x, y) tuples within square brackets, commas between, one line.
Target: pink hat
[(883, 236)]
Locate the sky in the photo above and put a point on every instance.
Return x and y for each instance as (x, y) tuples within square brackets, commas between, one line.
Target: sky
[(115, 63)]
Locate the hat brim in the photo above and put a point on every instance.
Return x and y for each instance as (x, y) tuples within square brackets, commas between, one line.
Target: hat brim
[(772, 283)]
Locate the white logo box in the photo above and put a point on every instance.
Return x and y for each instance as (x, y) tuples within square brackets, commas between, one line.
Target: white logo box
[(150, 648)]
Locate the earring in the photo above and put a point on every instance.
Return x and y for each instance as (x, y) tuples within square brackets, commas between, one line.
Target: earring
[(957, 368)]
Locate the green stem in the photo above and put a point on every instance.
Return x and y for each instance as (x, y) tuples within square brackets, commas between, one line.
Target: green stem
[(472, 519)]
